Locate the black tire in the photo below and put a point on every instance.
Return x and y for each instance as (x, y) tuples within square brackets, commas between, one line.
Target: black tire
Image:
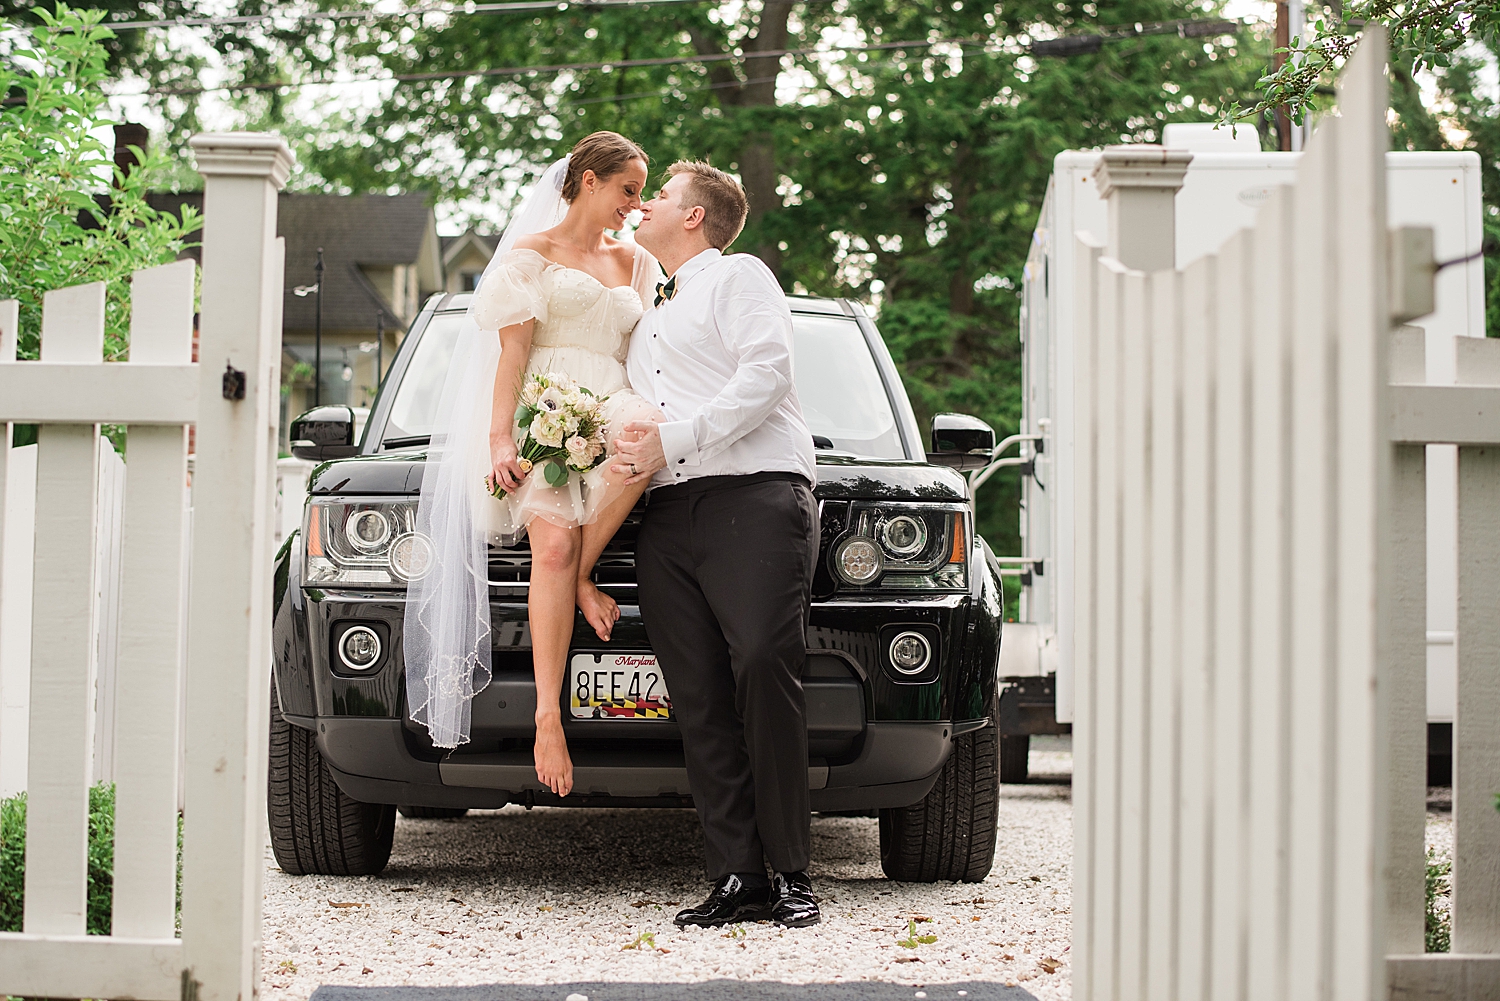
[(1015, 752), (950, 835), (315, 828), (431, 812)]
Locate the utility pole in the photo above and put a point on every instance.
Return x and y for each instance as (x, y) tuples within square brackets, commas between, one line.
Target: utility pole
[(318, 335), (1283, 39)]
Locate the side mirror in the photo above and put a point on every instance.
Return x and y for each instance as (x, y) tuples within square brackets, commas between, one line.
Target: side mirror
[(324, 433), (961, 442)]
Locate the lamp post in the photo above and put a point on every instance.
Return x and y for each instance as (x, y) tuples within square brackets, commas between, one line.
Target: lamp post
[(318, 335), (379, 348)]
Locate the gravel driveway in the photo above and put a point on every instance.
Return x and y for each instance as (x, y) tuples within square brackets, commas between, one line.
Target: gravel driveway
[(556, 896)]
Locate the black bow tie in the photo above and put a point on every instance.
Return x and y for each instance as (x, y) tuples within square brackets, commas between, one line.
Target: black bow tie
[(664, 292)]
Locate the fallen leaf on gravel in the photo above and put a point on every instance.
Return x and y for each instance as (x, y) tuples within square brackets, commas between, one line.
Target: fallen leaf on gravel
[(908, 959), (645, 941), (974, 918), (403, 889), (346, 903), (544, 908), (367, 970), (518, 934), (1007, 957), (445, 933), (455, 900), (1050, 965), (919, 918)]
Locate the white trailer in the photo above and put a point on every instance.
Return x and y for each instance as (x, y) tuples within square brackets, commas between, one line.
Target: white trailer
[(1226, 183)]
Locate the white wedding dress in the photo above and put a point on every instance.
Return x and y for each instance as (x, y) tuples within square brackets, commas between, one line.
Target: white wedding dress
[(582, 330)]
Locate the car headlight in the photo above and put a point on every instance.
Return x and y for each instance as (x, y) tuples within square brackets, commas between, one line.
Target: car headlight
[(918, 547), (367, 541)]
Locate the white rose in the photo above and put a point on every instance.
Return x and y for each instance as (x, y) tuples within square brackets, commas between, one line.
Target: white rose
[(578, 451), (530, 392), (547, 429)]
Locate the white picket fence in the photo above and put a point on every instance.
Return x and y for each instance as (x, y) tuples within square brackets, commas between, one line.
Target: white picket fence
[(1250, 734), (221, 735)]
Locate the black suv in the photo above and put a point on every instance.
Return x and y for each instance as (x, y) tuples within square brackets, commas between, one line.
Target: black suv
[(903, 644)]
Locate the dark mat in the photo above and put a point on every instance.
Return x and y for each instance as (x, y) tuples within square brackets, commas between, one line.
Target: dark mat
[(712, 990)]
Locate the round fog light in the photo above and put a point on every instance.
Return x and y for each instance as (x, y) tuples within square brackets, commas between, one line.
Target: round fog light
[(359, 648), (910, 653), (411, 556), (858, 560), (368, 529)]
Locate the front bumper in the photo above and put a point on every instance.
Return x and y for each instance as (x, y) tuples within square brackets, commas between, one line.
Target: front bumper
[(373, 761)]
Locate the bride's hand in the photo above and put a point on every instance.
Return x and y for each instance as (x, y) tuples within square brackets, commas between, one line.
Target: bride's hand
[(506, 464)]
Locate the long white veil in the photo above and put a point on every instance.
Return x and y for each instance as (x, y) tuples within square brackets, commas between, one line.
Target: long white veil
[(446, 633)]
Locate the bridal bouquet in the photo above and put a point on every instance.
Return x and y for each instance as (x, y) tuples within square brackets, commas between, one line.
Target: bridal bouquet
[(562, 427)]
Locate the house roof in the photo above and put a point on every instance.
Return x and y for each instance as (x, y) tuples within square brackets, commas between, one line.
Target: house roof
[(356, 232)]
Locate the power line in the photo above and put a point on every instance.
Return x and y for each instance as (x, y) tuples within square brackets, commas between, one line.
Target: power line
[(560, 67), (452, 9)]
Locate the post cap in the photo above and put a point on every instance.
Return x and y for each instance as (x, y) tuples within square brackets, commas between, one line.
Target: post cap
[(244, 154), (1140, 165)]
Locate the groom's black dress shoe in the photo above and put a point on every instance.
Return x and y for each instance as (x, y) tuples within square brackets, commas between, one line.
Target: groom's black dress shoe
[(729, 901), (792, 900)]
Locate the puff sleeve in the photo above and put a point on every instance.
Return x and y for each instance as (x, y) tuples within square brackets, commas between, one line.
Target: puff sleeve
[(648, 275), (513, 292)]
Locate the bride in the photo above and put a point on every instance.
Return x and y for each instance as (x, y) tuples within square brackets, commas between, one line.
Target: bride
[(559, 296)]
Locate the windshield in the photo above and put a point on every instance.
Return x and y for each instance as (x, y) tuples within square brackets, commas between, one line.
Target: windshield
[(838, 385)]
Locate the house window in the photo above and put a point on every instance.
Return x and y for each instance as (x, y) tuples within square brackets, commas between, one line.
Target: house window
[(470, 280)]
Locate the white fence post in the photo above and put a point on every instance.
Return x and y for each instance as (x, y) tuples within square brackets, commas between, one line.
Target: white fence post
[(229, 647)]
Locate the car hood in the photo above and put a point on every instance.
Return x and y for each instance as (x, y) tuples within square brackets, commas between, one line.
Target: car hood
[(839, 476)]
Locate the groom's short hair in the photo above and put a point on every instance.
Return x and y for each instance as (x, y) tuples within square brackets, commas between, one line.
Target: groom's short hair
[(720, 196)]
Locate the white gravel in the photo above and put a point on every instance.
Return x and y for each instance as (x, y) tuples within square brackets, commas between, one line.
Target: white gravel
[(561, 896)]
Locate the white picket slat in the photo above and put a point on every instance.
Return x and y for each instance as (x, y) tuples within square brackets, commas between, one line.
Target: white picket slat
[(1163, 690), (74, 393), (151, 584), (1361, 308), (60, 755), (10, 318), (1194, 751), (1085, 744), (72, 966), (1312, 511), (1229, 955), (1476, 742), (1135, 544), (1107, 723)]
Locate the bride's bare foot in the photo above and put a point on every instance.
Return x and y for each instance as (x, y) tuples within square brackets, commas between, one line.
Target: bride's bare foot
[(554, 768), (599, 608)]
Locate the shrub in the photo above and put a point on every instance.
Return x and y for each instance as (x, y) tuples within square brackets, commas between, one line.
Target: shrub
[(101, 860), (1439, 923)]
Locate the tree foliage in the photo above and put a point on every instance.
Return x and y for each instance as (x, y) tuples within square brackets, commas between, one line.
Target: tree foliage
[(906, 171), (68, 214)]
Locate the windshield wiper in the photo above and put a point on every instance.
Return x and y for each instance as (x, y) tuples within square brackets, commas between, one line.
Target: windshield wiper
[(406, 442)]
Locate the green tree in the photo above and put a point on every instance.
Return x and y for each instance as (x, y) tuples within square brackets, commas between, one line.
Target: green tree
[(906, 171), (68, 214)]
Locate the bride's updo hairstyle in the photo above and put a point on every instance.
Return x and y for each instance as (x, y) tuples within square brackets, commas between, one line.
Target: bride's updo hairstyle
[(605, 153)]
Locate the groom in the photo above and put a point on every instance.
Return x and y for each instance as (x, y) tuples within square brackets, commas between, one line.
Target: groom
[(726, 553)]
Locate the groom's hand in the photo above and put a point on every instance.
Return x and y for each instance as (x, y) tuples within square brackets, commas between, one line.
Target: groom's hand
[(639, 453)]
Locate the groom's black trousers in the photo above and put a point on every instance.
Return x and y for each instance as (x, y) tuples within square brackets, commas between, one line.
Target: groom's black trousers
[(725, 567)]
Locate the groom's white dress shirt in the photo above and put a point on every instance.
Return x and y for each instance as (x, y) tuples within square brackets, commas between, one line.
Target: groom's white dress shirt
[(717, 361)]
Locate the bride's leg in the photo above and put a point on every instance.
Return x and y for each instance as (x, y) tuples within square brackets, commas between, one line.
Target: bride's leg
[(599, 608), (554, 572)]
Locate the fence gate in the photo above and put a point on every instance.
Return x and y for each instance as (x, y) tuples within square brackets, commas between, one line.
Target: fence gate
[(1250, 739), (231, 398)]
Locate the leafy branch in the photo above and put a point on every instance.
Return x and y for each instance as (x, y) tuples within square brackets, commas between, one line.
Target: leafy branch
[(1424, 35)]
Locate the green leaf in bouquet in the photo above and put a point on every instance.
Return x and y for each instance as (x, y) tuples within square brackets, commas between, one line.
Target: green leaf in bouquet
[(557, 473), (525, 415)]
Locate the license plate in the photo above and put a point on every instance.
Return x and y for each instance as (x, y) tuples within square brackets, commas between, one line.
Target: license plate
[(617, 686)]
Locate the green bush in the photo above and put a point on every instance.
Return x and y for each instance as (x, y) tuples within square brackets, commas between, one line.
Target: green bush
[(1439, 925), (101, 859)]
